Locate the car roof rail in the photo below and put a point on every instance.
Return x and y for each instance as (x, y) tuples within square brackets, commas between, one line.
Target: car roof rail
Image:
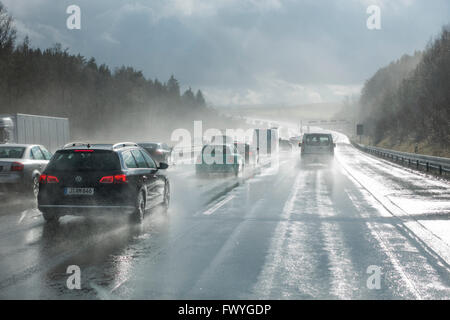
[(75, 144), (124, 144)]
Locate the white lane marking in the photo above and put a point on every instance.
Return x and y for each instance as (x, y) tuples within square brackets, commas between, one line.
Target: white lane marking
[(264, 285), (25, 213), (288, 207), (434, 242), (218, 205), (22, 216), (227, 248), (343, 276), (385, 246)]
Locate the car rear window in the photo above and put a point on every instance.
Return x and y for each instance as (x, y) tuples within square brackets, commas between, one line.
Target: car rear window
[(318, 140), (11, 152), (87, 160)]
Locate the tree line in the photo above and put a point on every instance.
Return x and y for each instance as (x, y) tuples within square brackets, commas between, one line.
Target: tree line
[(101, 103), (408, 102)]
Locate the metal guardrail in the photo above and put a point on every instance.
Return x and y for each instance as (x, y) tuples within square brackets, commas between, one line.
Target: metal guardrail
[(419, 161)]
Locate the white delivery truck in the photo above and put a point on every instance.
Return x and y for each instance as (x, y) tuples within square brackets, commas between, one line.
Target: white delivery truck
[(51, 132), (266, 141)]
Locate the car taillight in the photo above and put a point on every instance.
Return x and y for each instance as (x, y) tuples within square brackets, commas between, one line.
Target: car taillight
[(230, 159), (107, 179), (17, 166), (52, 179), (48, 179), (118, 178)]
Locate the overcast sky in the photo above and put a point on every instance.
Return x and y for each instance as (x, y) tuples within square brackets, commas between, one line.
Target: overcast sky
[(241, 51)]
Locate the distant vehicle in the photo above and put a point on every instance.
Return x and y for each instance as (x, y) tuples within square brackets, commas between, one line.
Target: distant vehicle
[(316, 145), (89, 180), (50, 132), (266, 141), (295, 140), (21, 165), (248, 152), (219, 158), (286, 145), (160, 152)]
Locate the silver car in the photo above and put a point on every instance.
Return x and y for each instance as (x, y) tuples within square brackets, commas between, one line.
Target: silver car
[(21, 166)]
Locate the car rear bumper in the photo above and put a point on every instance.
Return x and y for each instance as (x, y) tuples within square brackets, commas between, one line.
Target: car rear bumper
[(8, 179), (86, 210)]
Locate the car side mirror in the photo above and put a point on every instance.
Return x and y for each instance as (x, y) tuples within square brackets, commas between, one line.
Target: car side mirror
[(163, 166), (299, 144)]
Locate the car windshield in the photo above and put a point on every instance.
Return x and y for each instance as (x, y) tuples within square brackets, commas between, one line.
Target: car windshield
[(91, 160), (11, 152), (318, 140)]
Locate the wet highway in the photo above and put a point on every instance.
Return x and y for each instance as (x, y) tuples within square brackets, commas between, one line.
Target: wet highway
[(300, 231)]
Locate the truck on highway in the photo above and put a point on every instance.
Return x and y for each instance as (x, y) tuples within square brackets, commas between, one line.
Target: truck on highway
[(266, 141), (51, 132)]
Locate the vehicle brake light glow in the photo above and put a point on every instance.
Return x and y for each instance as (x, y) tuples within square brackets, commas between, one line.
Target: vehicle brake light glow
[(52, 179), (118, 178), (48, 179), (107, 179), (17, 166)]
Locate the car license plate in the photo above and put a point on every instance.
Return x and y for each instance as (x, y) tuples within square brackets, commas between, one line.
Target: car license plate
[(79, 191)]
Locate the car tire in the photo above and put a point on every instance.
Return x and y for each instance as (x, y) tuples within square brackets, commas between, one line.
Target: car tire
[(166, 202), (138, 215), (35, 186), (50, 217)]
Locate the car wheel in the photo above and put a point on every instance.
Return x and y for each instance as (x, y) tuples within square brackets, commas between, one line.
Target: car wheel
[(138, 214), (166, 201), (35, 186), (50, 217)]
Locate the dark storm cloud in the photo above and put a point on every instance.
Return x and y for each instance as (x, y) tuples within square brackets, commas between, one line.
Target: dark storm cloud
[(241, 51)]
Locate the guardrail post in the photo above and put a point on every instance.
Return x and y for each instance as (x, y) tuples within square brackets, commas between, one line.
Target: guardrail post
[(417, 164), (440, 170), (428, 166)]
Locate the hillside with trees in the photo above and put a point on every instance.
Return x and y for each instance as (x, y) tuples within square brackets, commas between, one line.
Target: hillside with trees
[(408, 102), (101, 104)]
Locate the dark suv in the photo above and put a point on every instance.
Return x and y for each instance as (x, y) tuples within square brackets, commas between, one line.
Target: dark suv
[(84, 179)]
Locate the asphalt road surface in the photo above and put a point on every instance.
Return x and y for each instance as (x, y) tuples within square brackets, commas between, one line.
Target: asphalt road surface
[(299, 231)]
